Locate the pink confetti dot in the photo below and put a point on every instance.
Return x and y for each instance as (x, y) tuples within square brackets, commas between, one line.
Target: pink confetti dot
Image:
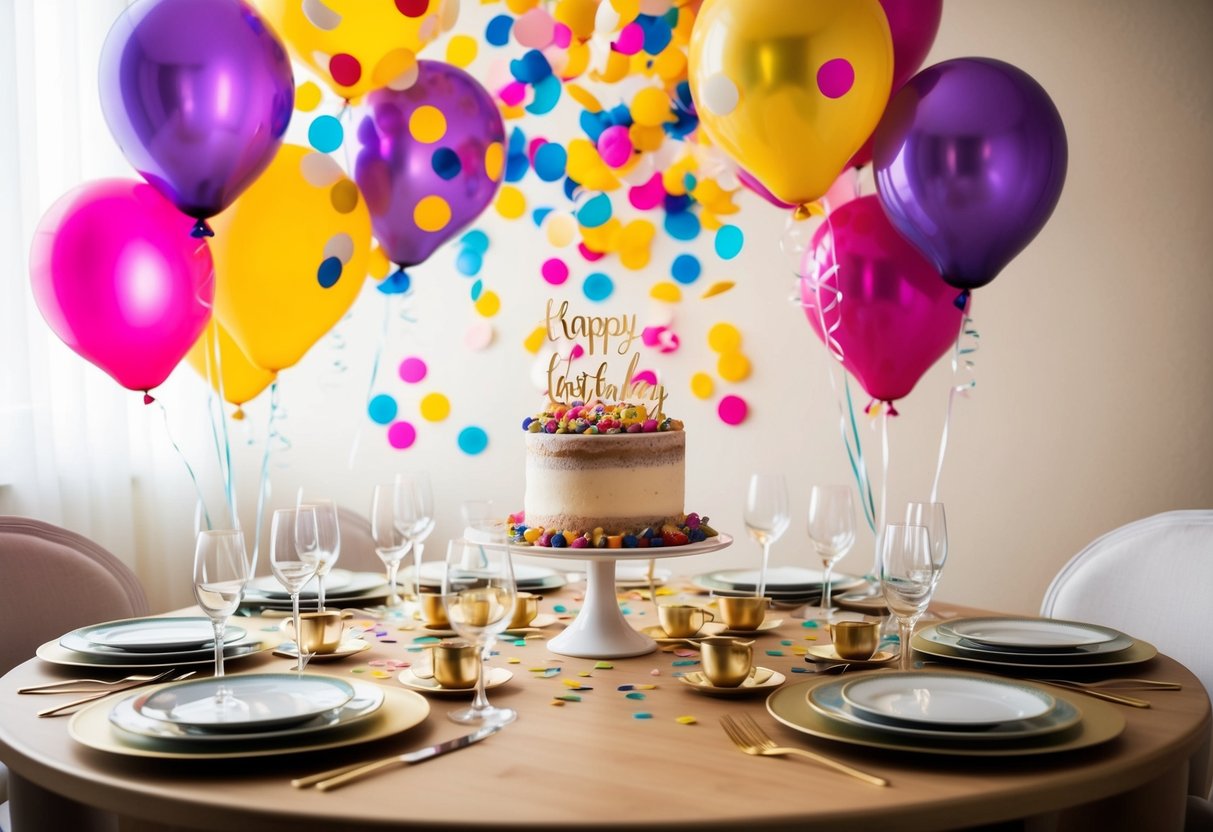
[(535, 29), (562, 36), (555, 271), (615, 146), (733, 410), (479, 336), (835, 78), (590, 256), (401, 435), (412, 369), (647, 376), (630, 40), (512, 94), (650, 336), (577, 352), (533, 147), (649, 195)]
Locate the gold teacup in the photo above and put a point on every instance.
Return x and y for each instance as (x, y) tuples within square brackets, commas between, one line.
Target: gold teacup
[(726, 661), (855, 640), (526, 607), (743, 613), (433, 611), (683, 620), (453, 664), (319, 632)]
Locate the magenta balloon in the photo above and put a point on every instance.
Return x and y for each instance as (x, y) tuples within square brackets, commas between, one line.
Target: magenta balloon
[(198, 94), (751, 182), (395, 170), (119, 279), (970, 161), (896, 317)]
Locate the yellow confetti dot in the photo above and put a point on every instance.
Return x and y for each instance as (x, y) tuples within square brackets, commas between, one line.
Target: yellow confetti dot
[(561, 229), (577, 59), (378, 265), (533, 342), (724, 338), (626, 9), (733, 366), (381, 674), (435, 407), (651, 107), (584, 673), (702, 386), (666, 291), (520, 7), (511, 204), (671, 63), (685, 720), (578, 15), (637, 233), (307, 97), (510, 113), (586, 166), (635, 259), (646, 138), (559, 703), (513, 661), (617, 67), (718, 288), (461, 50), (427, 124), (571, 683), (605, 238), (432, 213), (583, 97), (488, 304), (494, 159)]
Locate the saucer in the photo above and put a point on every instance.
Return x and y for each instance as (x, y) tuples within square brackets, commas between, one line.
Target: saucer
[(659, 635), (537, 623), (349, 647), (497, 676), (766, 625), (827, 653), (760, 679)]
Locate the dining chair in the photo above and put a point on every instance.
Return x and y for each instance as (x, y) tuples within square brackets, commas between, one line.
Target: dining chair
[(357, 544)]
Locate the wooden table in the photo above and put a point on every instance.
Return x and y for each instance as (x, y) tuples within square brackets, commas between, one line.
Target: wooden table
[(594, 764)]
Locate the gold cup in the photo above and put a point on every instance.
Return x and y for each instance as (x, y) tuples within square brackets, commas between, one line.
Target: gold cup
[(682, 620), (319, 632), (526, 607), (726, 661), (855, 640), (453, 664), (433, 612), (743, 613)]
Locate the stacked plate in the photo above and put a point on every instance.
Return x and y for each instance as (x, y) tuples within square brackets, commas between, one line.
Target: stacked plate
[(261, 714), (1031, 643), (785, 584), (148, 642), (342, 588), (528, 578)]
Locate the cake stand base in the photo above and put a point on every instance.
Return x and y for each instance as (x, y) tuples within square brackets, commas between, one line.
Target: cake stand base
[(600, 631)]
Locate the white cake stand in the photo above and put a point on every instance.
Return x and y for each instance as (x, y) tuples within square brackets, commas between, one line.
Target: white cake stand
[(600, 630)]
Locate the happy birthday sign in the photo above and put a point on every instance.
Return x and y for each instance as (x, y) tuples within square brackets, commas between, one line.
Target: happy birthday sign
[(601, 333)]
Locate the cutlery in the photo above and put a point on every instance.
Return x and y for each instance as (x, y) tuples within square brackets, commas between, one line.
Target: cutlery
[(748, 735), (75, 703), (335, 778), (1098, 693), (1121, 684), (60, 687)]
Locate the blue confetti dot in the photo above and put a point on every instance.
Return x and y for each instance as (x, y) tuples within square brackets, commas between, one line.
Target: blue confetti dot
[(473, 440), (382, 409), (657, 33), (329, 272), (397, 283), (682, 226), (325, 134), (469, 262), (531, 68), (497, 33), (446, 163), (598, 286), (570, 187), (517, 142), (477, 288), (476, 240), (550, 161), (539, 215), (592, 124), (516, 167), (686, 268), (729, 241), (595, 212)]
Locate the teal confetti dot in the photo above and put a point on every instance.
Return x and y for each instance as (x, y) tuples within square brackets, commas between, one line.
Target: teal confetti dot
[(547, 95), (634, 695), (446, 163), (729, 241), (774, 652), (685, 662), (682, 226), (521, 642), (800, 670), (810, 625), (329, 272), (642, 715), (473, 440), (595, 212), (686, 269), (787, 642), (559, 608), (419, 640), (476, 240), (469, 262), (477, 288), (539, 215), (598, 286), (382, 409), (325, 134)]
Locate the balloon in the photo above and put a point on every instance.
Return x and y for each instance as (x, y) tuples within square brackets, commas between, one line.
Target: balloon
[(198, 94), (895, 318), (290, 257), (746, 178), (120, 281), (913, 25), (430, 160), (228, 369), (970, 162), (790, 88), (360, 45)]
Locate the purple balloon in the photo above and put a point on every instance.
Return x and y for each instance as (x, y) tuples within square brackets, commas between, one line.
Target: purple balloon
[(396, 169), (970, 161), (198, 94)]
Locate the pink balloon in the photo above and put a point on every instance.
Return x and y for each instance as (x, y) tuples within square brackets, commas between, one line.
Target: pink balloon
[(896, 316), (118, 277)]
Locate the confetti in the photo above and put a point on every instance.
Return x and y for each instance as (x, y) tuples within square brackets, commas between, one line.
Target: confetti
[(728, 242), (598, 287), (685, 269), (568, 697), (775, 653), (401, 435), (685, 720), (604, 666), (473, 440), (382, 409), (724, 338), (642, 715), (634, 695), (732, 410), (733, 366), (702, 386), (435, 407), (685, 662)]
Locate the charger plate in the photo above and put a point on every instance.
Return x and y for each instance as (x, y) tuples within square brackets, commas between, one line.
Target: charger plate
[(149, 635), (401, 710), (55, 653), (1100, 723), (78, 641), (268, 700), (934, 642), (1030, 634)]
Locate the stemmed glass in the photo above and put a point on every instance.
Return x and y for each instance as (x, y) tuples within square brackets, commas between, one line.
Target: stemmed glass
[(832, 532), (294, 558), (907, 578), (931, 516), (391, 542), (221, 571), (766, 516), (478, 592), (328, 539), (416, 517)]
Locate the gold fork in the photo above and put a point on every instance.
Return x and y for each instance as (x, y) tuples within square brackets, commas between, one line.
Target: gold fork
[(68, 685), (748, 735)]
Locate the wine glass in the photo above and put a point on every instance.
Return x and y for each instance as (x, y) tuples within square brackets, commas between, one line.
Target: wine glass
[(907, 578), (832, 532), (294, 558), (416, 503), (391, 542), (931, 516), (221, 570), (328, 539), (478, 592), (766, 516)]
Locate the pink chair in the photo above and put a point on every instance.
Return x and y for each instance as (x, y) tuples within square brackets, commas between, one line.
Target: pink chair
[(357, 544)]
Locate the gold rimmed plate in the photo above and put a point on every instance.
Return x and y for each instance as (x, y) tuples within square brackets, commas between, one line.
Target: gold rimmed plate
[(827, 653), (55, 653), (497, 676), (933, 642), (766, 626), (349, 647), (760, 679), (659, 635)]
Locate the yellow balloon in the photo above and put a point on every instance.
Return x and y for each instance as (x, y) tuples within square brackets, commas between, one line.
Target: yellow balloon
[(216, 358), (360, 45), (791, 88), (291, 255)]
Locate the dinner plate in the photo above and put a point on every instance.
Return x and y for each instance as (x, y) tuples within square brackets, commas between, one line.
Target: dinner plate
[(932, 642), (155, 635), (357, 583), (524, 573), (760, 679), (497, 677), (401, 710), (785, 580), (307, 605), (366, 700), (350, 647), (1043, 634), (259, 700), (789, 704), (938, 700), (55, 653), (336, 581), (828, 699), (78, 643)]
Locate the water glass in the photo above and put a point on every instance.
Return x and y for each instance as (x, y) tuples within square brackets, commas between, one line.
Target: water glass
[(931, 517), (294, 556), (766, 516), (907, 578), (328, 540), (415, 516), (831, 531), (391, 542), (221, 571)]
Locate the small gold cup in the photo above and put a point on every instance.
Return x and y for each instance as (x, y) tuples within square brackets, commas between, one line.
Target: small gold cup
[(683, 620), (319, 632), (526, 607), (743, 613), (726, 661), (855, 640), (433, 611), (453, 664)]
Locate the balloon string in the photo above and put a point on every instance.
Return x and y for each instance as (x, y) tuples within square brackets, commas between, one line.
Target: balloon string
[(370, 387), (214, 375), (263, 487), (963, 380), (185, 460)]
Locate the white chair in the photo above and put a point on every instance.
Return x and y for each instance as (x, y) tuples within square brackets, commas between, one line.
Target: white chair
[(1152, 579)]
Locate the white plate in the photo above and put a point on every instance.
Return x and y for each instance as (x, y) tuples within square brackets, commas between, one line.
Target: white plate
[(180, 633), (760, 679), (262, 700), (1121, 651), (356, 583), (779, 578), (366, 700), (55, 653), (944, 699), (497, 676), (1029, 633)]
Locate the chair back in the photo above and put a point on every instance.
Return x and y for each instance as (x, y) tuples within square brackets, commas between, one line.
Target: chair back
[(357, 544)]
